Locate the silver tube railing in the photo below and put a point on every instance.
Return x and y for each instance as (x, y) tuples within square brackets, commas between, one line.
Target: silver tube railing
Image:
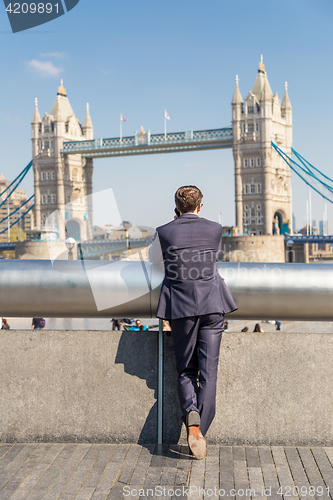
[(92, 289)]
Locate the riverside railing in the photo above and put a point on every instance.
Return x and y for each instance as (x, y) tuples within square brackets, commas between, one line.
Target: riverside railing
[(93, 289)]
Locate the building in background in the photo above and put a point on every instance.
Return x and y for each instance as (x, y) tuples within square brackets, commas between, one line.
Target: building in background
[(126, 230), (19, 230), (294, 224), (323, 227), (262, 178), (62, 183), (314, 227)]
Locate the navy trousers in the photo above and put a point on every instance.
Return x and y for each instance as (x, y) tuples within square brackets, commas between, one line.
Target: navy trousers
[(197, 342)]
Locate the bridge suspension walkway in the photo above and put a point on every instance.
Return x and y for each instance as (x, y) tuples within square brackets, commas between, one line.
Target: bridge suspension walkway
[(146, 143)]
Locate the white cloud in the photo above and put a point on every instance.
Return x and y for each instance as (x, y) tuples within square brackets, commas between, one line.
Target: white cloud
[(55, 55), (44, 68)]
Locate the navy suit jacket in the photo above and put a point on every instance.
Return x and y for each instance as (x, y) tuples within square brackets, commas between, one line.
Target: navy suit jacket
[(192, 285)]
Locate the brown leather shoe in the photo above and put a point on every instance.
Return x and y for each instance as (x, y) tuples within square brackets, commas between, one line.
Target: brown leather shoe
[(196, 442)]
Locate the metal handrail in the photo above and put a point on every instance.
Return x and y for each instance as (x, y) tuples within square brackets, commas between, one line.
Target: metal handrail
[(88, 289)]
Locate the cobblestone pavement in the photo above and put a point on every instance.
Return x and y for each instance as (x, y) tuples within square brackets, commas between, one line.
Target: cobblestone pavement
[(107, 471)]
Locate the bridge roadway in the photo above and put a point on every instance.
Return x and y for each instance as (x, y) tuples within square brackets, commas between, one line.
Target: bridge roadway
[(146, 143), (90, 249), (7, 246), (311, 238)]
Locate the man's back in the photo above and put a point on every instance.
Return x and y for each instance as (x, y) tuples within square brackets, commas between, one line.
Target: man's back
[(190, 245), (192, 285)]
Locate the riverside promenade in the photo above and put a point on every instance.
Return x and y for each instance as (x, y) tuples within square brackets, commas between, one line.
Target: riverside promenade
[(108, 471)]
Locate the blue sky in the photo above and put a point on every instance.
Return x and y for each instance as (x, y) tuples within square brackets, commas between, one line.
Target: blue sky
[(138, 58)]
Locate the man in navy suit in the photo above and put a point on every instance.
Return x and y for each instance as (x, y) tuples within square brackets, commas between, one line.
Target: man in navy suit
[(194, 298)]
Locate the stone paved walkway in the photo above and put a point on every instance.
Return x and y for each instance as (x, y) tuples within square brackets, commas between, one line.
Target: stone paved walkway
[(107, 471)]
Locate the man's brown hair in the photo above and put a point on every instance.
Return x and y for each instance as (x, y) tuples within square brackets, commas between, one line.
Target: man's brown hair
[(188, 198)]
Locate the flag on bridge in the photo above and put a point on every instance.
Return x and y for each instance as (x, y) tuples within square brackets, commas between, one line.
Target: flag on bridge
[(166, 117), (122, 119)]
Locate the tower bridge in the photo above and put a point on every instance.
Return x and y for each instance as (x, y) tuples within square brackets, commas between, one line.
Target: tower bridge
[(64, 150)]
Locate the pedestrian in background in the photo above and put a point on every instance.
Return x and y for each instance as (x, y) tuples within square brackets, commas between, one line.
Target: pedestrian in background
[(115, 325), (38, 323), (5, 325), (138, 327), (258, 329)]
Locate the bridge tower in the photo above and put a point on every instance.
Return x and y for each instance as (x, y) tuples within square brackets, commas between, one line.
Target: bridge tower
[(62, 182), (262, 178)]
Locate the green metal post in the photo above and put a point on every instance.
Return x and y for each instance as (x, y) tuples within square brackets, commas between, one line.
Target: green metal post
[(160, 384)]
